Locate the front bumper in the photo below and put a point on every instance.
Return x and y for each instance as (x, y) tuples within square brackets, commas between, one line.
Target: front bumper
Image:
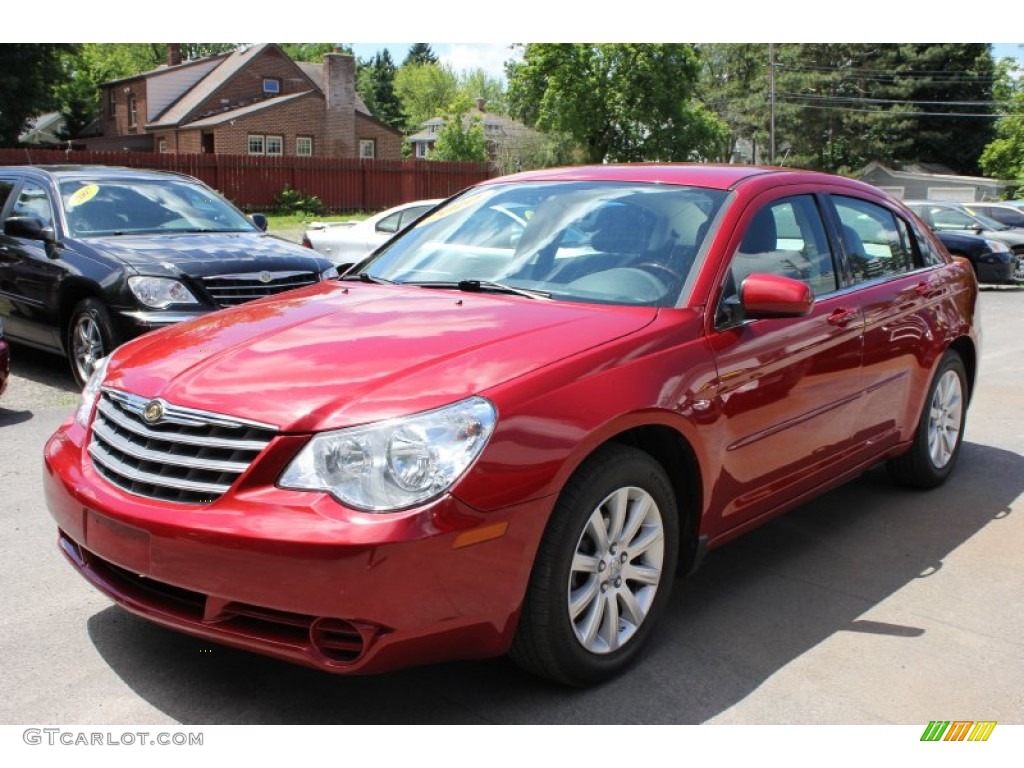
[(293, 575), (993, 269)]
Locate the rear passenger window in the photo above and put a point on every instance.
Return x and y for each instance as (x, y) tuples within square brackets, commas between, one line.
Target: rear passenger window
[(877, 242)]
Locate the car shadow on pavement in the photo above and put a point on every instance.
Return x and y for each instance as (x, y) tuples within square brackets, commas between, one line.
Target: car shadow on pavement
[(755, 606)]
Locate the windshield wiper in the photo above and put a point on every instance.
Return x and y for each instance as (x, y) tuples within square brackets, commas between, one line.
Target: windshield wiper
[(366, 277), (482, 286)]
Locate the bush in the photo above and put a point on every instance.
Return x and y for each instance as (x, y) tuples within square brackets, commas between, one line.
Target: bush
[(290, 200)]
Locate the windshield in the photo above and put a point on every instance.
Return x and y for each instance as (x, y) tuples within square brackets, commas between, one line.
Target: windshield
[(137, 206), (599, 242)]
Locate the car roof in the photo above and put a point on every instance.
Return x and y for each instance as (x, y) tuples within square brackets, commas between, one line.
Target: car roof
[(722, 177), (93, 172)]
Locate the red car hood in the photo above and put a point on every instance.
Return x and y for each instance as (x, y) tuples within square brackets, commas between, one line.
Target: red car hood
[(337, 354)]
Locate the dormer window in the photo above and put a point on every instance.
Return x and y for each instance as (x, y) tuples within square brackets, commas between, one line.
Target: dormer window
[(271, 86)]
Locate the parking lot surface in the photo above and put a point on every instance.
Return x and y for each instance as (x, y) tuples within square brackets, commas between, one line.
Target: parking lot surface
[(870, 605)]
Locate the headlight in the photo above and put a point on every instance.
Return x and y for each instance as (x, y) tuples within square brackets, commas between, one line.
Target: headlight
[(394, 464), (327, 274), (996, 246), (160, 292), (91, 391)]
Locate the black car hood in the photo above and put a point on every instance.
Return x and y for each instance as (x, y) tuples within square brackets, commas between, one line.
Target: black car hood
[(204, 254)]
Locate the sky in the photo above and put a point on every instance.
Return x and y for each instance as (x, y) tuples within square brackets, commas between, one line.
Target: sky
[(490, 57)]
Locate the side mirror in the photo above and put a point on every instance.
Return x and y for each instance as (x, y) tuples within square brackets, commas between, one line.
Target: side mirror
[(764, 296), (260, 221), (28, 227)]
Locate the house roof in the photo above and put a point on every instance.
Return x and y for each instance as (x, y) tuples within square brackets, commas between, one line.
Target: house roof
[(248, 109), (920, 170), (180, 110), (506, 127)]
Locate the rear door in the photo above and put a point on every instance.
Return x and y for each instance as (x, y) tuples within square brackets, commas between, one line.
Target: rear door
[(901, 289)]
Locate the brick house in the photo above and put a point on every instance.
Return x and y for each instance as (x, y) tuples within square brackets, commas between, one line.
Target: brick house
[(255, 100)]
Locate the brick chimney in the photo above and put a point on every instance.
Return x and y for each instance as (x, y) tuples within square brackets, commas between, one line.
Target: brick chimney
[(173, 54), (339, 77)]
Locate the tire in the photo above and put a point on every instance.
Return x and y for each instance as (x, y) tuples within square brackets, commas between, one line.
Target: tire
[(940, 429), (593, 599), (90, 336)]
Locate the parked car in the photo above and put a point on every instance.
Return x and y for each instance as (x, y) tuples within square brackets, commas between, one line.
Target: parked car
[(952, 217), (471, 445), (992, 260), (1008, 215), (5, 360), (91, 256), (346, 242)]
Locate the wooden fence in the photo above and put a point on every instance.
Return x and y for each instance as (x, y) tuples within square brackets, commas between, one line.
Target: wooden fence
[(252, 182)]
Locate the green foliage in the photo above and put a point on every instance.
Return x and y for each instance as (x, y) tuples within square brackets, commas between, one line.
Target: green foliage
[(619, 101), (293, 201), (1003, 158), (461, 138), (313, 52), (426, 91), (375, 81), (29, 73), (420, 53)]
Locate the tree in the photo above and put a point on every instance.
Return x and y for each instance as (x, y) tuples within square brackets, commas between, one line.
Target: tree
[(619, 101), (477, 84), (839, 105), (420, 53), (312, 51), (29, 74), (733, 85), (461, 138), (426, 91), (376, 84)]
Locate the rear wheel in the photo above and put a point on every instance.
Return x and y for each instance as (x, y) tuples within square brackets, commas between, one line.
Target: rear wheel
[(939, 434), (603, 572), (90, 337)]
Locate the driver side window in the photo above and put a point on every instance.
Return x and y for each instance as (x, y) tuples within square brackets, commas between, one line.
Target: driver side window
[(787, 237)]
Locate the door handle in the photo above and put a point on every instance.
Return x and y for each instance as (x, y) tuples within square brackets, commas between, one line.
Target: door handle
[(842, 317), (926, 290)]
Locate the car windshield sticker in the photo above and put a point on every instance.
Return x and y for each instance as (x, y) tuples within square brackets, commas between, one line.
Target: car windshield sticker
[(84, 195), (464, 202)]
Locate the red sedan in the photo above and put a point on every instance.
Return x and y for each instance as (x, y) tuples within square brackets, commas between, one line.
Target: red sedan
[(509, 429)]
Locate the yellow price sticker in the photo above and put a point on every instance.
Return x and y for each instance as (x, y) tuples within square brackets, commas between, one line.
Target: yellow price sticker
[(83, 195)]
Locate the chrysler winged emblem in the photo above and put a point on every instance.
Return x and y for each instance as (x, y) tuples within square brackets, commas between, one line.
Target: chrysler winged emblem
[(153, 411)]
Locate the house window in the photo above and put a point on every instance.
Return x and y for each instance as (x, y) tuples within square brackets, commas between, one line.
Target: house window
[(112, 101), (422, 148), (257, 145), (162, 146), (367, 149), (271, 86), (304, 146), (275, 145), (132, 111)]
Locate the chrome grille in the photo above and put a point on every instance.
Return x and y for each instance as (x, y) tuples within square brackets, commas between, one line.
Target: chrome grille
[(187, 456), (229, 290)]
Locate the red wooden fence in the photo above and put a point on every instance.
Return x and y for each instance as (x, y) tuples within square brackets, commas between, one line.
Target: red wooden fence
[(252, 182)]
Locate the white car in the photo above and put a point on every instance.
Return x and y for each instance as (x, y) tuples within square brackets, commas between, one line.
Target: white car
[(347, 242)]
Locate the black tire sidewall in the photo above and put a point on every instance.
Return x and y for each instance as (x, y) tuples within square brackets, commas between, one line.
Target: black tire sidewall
[(603, 474), (101, 316)]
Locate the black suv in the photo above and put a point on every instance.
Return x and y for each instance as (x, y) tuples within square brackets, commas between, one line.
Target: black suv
[(91, 256)]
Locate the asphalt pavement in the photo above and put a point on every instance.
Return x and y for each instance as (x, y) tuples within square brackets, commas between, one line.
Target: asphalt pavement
[(870, 605)]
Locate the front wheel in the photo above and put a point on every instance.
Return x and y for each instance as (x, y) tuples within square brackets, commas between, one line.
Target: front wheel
[(603, 572), (90, 337), (939, 433)]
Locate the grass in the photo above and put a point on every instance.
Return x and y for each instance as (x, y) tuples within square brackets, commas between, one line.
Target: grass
[(300, 220)]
